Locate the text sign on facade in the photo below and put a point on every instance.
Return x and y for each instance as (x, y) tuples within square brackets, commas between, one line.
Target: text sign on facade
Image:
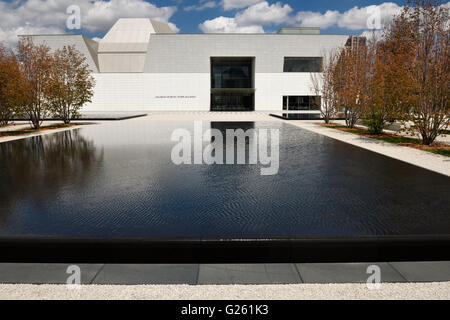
[(175, 97)]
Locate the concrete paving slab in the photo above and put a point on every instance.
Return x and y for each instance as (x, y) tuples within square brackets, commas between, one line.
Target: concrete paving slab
[(148, 274), (345, 272), (423, 271), (42, 273), (248, 274), (13, 273)]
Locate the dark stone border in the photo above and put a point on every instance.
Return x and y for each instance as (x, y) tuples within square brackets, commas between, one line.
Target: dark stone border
[(225, 274), (172, 251)]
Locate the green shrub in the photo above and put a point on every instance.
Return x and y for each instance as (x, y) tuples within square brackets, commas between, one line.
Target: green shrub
[(375, 122)]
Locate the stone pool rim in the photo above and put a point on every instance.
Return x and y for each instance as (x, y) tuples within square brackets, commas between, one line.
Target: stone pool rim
[(276, 250)]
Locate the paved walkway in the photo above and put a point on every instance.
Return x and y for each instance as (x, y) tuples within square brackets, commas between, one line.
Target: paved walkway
[(225, 274)]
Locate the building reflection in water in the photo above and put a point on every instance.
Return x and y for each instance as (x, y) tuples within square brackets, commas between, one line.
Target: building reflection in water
[(250, 146)]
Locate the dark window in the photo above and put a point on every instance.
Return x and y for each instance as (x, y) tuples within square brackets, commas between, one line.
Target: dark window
[(301, 103), (315, 103), (229, 73), (302, 64)]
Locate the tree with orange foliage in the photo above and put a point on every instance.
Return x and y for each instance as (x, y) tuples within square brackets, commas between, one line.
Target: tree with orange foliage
[(35, 62), (13, 87), (351, 81), (382, 99), (417, 44), (70, 83)]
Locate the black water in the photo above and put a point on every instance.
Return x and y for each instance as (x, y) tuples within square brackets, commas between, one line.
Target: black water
[(117, 180)]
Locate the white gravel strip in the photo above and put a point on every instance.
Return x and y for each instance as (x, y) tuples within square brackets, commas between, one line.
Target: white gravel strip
[(424, 159), (415, 291), (41, 133)]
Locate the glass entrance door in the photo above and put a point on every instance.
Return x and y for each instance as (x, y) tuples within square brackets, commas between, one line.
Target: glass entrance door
[(232, 101), (232, 84)]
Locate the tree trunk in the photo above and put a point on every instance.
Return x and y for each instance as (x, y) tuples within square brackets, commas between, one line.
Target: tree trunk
[(35, 122)]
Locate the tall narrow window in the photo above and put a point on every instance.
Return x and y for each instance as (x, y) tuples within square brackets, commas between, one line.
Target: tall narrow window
[(285, 103)]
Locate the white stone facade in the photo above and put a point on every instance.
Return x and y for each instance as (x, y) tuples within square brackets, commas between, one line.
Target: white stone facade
[(140, 65)]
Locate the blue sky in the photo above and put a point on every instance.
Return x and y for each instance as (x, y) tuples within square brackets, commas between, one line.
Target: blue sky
[(188, 21), (191, 16)]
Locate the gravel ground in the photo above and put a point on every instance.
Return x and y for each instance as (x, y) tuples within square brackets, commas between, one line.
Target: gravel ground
[(415, 291)]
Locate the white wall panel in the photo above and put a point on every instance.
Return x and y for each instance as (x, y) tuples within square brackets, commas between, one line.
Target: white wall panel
[(121, 62), (116, 92), (150, 91), (186, 91), (55, 42), (186, 53), (271, 87)]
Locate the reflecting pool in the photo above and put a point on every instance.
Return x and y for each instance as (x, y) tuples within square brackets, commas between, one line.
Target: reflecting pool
[(117, 180)]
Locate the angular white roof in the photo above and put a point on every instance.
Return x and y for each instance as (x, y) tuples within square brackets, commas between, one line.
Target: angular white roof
[(131, 35), (83, 44)]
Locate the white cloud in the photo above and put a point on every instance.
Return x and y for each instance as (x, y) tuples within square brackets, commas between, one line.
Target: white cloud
[(99, 15), (174, 27), (9, 35), (250, 20), (203, 4), (353, 19), (227, 25), (317, 19), (238, 4), (49, 16), (263, 13), (356, 18)]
